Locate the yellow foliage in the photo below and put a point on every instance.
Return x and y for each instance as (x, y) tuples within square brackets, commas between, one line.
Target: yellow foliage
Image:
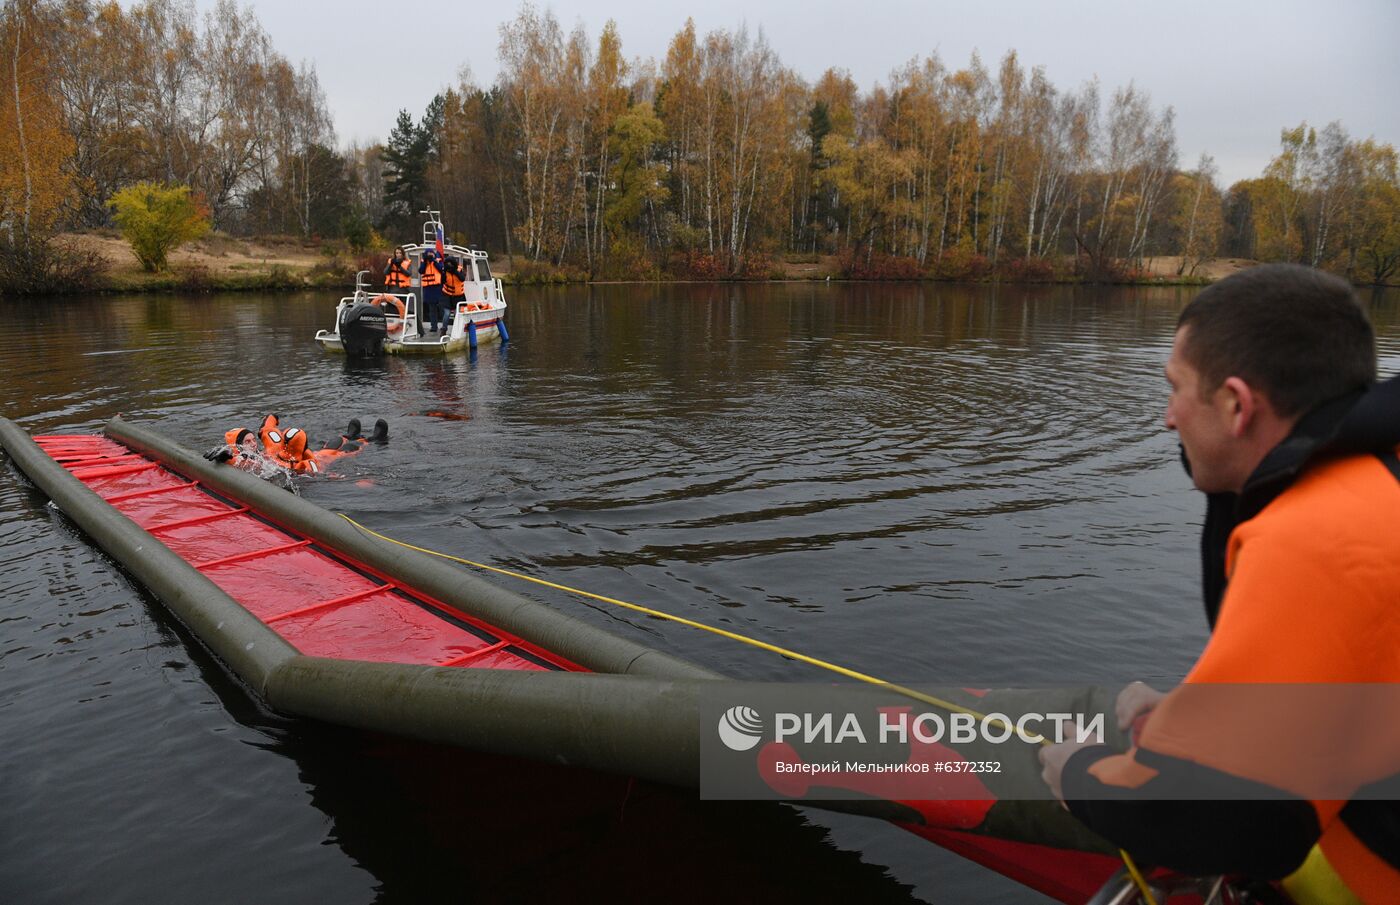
[(34, 145), (156, 219)]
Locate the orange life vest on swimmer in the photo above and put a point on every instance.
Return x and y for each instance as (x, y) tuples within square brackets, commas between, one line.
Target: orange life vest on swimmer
[(276, 442), (396, 275), (270, 436), (234, 439), (324, 457), (294, 455), (430, 274), (452, 285)]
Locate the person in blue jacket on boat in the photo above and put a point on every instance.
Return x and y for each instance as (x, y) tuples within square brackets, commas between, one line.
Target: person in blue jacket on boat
[(430, 278)]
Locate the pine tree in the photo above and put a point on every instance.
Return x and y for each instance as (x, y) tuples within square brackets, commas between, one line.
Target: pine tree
[(407, 155)]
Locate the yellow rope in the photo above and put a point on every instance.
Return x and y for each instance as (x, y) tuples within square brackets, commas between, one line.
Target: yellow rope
[(1138, 880), (1133, 871), (724, 633)]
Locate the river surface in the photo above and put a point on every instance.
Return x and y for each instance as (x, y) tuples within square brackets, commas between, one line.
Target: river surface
[(927, 483)]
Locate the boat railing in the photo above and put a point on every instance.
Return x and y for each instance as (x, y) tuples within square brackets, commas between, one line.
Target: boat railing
[(491, 289), (365, 294), (410, 306), (416, 251), (431, 226)]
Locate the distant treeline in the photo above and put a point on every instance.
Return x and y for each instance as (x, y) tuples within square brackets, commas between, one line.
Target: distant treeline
[(97, 98), (712, 162)]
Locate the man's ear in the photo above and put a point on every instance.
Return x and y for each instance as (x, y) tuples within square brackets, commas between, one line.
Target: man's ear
[(1241, 403)]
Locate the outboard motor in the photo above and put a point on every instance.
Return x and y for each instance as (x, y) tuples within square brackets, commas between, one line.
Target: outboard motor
[(363, 327)]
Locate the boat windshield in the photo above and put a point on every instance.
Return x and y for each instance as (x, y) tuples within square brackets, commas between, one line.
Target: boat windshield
[(483, 270)]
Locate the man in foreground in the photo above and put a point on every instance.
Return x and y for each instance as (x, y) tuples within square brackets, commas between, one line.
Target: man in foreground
[(1284, 428)]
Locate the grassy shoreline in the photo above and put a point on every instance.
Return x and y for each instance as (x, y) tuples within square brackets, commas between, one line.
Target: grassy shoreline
[(221, 263), (302, 279), (175, 284)]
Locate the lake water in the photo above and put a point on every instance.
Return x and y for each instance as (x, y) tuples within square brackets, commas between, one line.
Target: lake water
[(926, 483)]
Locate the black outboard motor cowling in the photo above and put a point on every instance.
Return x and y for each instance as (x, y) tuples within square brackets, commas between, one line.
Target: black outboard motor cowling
[(363, 327)]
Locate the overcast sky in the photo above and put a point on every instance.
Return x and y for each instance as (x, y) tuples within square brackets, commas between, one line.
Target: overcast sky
[(1236, 72)]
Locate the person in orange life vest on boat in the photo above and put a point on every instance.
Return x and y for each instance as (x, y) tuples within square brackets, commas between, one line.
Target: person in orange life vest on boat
[(1284, 428), (430, 278), (454, 288), (396, 273)]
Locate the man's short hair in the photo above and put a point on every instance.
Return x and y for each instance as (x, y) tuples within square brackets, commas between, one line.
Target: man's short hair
[(1299, 335)]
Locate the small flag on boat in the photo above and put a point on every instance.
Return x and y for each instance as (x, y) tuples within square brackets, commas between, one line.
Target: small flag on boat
[(438, 242)]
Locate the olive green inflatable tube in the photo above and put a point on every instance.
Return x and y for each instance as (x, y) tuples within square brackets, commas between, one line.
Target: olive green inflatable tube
[(631, 725), (644, 727), (643, 721), (535, 622), (252, 650)]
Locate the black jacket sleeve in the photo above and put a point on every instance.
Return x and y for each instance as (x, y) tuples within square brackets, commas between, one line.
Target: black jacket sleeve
[(1193, 819)]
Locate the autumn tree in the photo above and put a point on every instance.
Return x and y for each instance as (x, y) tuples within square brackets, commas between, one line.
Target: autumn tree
[(1198, 216), (97, 98), (158, 92), (747, 113), (535, 86), (678, 106), (1377, 238), (604, 101), (1056, 139), (497, 162), (1283, 189), (364, 171), (237, 67), (1371, 222), (1324, 199), (156, 219), (973, 165), (830, 118), (639, 175), (35, 182), (1135, 156)]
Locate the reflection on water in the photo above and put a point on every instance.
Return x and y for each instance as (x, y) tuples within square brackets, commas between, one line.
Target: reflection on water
[(925, 483)]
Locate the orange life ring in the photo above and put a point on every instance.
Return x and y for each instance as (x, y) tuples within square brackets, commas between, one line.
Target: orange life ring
[(392, 330)]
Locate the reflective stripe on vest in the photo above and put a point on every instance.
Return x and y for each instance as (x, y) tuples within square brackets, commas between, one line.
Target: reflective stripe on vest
[(1316, 882)]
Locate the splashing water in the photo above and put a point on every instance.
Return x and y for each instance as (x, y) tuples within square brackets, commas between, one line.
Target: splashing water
[(269, 470)]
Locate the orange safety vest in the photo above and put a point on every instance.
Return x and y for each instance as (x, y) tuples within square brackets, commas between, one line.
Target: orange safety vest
[(429, 273), (286, 448), (396, 275), (1310, 605), (292, 452), (452, 283), (269, 434), (234, 440)]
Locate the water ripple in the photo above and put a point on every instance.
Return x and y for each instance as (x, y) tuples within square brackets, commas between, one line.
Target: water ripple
[(964, 484)]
